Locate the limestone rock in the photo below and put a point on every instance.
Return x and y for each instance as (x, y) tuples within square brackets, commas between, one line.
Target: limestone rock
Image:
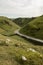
[(24, 58)]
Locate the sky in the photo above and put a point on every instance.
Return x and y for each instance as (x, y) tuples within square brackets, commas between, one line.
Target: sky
[(21, 8)]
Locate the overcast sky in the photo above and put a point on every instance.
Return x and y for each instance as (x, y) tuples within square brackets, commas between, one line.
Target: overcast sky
[(21, 8)]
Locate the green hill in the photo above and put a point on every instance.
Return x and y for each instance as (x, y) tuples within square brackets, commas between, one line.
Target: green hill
[(16, 50), (12, 52), (34, 28), (22, 21), (7, 27)]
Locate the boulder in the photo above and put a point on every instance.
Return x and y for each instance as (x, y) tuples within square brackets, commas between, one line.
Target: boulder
[(24, 58)]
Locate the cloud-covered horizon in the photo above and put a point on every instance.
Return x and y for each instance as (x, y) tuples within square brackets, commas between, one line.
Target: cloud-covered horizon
[(21, 8)]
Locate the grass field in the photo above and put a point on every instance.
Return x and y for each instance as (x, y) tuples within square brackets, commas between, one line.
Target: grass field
[(11, 52), (22, 21), (34, 28), (13, 47), (7, 27)]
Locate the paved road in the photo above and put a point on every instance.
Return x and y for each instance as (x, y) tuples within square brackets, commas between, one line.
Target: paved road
[(28, 37)]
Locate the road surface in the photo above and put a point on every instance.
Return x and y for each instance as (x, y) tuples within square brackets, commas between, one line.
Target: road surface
[(28, 37)]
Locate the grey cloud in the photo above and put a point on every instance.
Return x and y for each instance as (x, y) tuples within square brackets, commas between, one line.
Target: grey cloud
[(24, 8)]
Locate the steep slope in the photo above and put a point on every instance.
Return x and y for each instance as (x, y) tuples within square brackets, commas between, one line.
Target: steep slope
[(14, 52), (22, 21), (7, 27), (34, 28)]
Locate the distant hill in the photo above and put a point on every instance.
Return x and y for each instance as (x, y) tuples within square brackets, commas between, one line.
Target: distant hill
[(7, 27), (22, 21), (34, 28)]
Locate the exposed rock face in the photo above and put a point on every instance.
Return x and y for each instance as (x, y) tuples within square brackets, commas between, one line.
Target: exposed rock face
[(24, 58), (31, 49), (8, 40)]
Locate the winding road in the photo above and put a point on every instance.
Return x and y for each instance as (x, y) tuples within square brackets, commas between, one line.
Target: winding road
[(28, 37)]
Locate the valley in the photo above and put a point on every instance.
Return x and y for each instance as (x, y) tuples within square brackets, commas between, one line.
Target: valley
[(16, 49)]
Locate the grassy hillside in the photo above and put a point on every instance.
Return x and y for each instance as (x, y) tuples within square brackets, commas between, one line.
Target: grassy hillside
[(7, 27), (34, 28), (12, 49), (22, 21), (16, 50)]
